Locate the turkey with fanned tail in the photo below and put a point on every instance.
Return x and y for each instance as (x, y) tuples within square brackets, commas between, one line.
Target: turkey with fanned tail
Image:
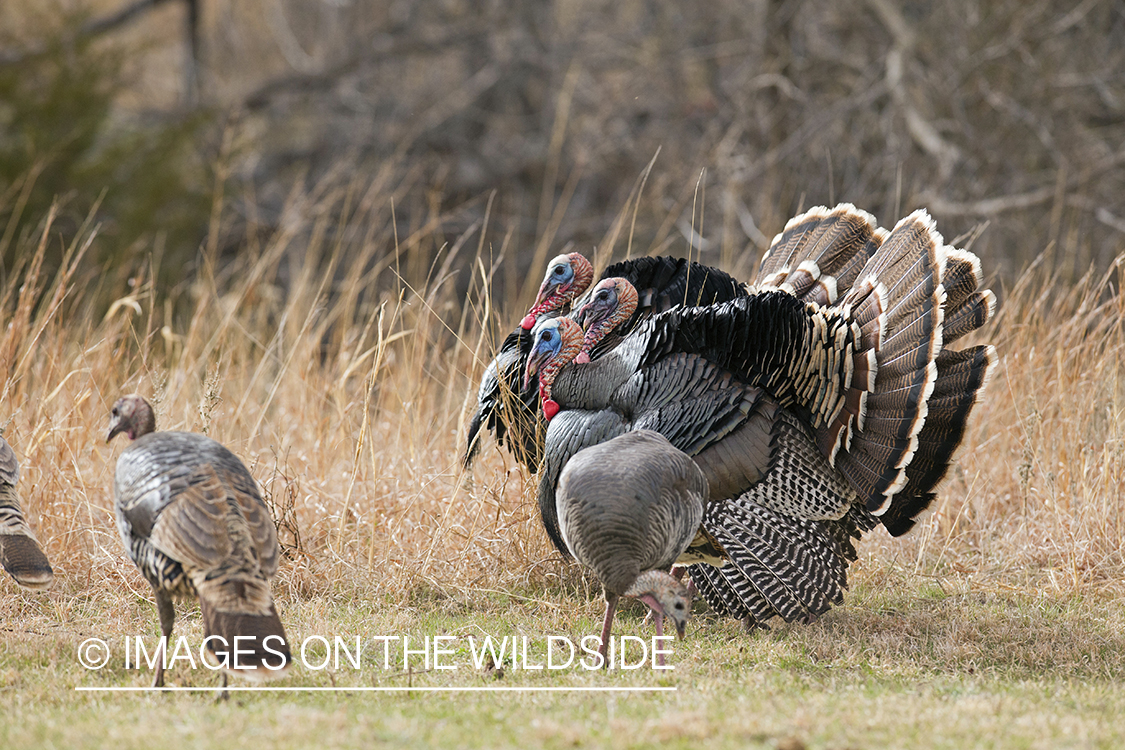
[(192, 519), (818, 407)]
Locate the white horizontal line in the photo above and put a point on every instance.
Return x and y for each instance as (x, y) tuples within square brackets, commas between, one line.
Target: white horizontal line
[(397, 689)]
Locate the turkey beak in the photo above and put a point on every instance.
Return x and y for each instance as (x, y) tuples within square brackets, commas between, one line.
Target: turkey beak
[(681, 629), (579, 316), (531, 371), (549, 288), (114, 427)]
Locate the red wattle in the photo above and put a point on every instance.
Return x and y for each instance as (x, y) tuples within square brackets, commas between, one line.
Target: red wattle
[(528, 322), (550, 408), (582, 358)]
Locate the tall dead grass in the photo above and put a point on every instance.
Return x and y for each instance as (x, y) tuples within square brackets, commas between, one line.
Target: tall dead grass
[(1036, 498), (346, 396)]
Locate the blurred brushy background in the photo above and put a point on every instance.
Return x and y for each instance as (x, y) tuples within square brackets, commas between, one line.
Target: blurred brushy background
[(178, 125)]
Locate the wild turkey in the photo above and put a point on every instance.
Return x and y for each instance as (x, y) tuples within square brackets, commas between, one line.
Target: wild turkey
[(512, 412), (20, 553), (818, 407), (629, 508), (192, 519)]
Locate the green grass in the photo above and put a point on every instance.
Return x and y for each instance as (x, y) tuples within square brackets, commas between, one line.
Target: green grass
[(906, 662)]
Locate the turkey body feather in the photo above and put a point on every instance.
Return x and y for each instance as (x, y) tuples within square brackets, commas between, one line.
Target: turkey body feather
[(818, 406), (184, 499), (20, 553)]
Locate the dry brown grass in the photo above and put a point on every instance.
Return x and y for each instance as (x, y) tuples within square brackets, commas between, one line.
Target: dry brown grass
[(1036, 500), (344, 402), (348, 405)]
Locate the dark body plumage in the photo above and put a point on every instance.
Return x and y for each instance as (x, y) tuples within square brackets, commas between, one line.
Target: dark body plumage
[(193, 521), (821, 405), (511, 412), (20, 553)]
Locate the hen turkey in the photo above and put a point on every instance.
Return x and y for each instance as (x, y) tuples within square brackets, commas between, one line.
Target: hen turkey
[(192, 519), (629, 508)]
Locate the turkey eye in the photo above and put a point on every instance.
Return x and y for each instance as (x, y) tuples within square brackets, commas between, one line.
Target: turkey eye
[(113, 411), (546, 336), (679, 605), (558, 270)]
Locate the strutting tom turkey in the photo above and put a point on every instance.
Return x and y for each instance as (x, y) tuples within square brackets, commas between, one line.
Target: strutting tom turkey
[(825, 403)]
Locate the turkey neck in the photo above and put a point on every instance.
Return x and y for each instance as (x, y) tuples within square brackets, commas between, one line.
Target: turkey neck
[(592, 385), (652, 582), (623, 305), (552, 299)]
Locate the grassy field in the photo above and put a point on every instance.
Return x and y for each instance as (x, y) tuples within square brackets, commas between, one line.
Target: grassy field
[(998, 622), (902, 664)]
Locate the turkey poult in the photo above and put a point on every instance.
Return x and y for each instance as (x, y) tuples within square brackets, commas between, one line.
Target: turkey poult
[(192, 519), (629, 508), (20, 553), (512, 412), (825, 403)]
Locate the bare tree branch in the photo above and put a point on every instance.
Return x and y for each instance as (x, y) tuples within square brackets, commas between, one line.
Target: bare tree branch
[(921, 130), (116, 20), (990, 206), (987, 206), (320, 80), (92, 28)]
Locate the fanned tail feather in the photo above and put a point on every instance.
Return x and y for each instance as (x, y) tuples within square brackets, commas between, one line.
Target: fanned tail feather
[(908, 400), (873, 448), (967, 307), (819, 254), (962, 377)]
